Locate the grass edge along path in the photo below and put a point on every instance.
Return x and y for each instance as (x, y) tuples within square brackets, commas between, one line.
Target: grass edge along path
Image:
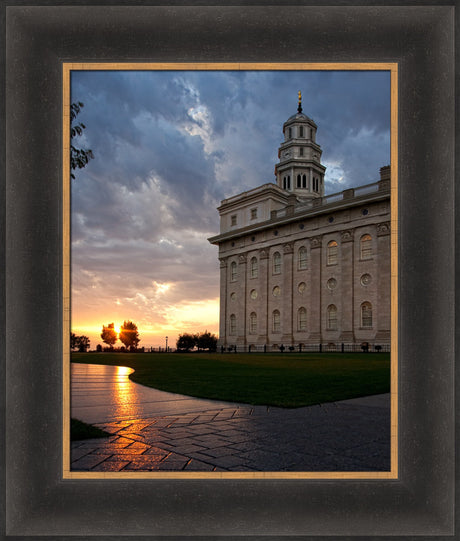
[(288, 380)]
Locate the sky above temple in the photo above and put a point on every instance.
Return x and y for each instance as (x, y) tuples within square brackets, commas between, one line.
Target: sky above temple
[(168, 147)]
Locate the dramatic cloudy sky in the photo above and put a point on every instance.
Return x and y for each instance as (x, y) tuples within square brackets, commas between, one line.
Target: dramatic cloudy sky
[(168, 147)]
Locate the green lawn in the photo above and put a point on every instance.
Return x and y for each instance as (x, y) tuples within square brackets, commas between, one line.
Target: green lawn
[(288, 380)]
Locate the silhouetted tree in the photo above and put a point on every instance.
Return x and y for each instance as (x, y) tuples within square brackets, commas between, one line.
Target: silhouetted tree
[(109, 335), (83, 343), (79, 342), (128, 335), (73, 341), (186, 341), (206, 340), (79, 157)]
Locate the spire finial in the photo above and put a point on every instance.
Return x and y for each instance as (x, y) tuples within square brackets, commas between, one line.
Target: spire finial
[(299, 108)]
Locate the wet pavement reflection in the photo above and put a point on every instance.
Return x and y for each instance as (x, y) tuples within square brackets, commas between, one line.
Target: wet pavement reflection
[(101, 393)]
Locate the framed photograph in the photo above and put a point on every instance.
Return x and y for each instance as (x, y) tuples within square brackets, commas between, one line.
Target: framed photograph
[(200, 117), (414, 46)]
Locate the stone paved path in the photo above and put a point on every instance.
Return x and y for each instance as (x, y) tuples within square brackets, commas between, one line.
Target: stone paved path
[(352, 435)]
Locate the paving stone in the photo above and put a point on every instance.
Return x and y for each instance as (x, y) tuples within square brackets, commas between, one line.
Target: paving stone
[(110, 466), (197, 465), (87, 462), (148, 465), (243, 412), (227, 462), (157, 451), (162, 423), (131, 436), (77, 453), (186, 449), (239, 438), (181, 441), (128, 451), (244, 468), (173, 462), (139, 446), (202, 419), (178, 433), (230, 432), (219, 451), (111, 445), (211, 441), (245, 446), (122, 440)]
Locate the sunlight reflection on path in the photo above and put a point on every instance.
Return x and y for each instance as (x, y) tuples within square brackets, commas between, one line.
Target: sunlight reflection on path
[(102, 393)]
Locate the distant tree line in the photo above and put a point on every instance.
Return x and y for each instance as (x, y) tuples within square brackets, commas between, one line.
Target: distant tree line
[(129, 337), (201, 341)]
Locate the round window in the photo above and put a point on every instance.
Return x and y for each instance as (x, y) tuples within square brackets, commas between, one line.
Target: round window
[(302, 287), (233, 296), (276, 291), (254, 294), (332, 283), (366, 279)]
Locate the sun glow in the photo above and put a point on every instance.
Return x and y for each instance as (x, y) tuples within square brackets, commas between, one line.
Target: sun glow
[(176, 319)]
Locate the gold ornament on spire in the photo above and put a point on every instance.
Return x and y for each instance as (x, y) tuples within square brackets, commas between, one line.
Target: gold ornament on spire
[(299, 108)]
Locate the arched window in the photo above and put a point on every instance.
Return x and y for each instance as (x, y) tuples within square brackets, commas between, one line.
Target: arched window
[(301, 151), (276, 263), (299, 181), (331, 318), (366, 315), (276, 321), (332, 252), (232, 324), (289, 182), (304, 181), (302, 319), (254, 267), (233, 271), (253, 323), (366, 247), (302, 258), (290, 133)]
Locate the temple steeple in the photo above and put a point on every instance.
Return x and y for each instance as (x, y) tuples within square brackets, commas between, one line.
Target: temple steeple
[(300, 170)]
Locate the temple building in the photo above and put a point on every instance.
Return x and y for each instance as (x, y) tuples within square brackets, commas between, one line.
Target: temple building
[(300, 269)]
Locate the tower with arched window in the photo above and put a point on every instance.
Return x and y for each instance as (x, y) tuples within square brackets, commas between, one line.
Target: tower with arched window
[(299, 170)]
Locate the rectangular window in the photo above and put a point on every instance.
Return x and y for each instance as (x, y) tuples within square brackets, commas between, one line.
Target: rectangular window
[(276, 322), (302, 263), (302, 320), (276, 263), (233, 219), (232, 325), (332, 252), (301, 151), (332, 320), (253, 214)]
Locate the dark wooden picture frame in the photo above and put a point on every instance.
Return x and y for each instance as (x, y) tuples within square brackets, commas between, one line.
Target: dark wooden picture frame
[(38, 500)]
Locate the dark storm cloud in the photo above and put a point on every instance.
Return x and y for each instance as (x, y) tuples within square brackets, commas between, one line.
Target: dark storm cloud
[(169, 146)]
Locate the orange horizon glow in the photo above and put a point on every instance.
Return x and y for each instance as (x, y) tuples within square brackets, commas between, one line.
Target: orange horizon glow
[(188, 318)]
